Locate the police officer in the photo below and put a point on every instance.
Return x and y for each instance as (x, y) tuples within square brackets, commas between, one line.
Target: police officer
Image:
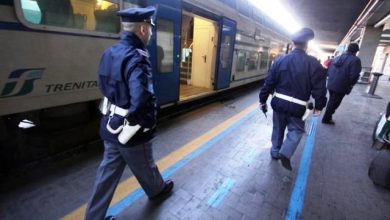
[(125, 79), (292, 79), (343, 74)]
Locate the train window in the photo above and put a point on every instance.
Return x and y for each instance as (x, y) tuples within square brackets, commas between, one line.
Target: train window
[(264, 59), (252, 60), (259, 61), (244, 7), (231, 3), (31, 11), (241, 58), (257, 15), (99, 15), (225, 51), (165, 37)]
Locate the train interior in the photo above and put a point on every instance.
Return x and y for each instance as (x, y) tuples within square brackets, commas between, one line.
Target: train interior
[(85, 15), (198, 55)]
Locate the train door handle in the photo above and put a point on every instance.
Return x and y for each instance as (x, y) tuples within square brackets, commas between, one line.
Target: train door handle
[(205, 58)]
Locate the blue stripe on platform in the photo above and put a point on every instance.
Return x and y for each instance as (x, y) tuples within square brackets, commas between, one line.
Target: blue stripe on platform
[(298, 195), (129, 199), (222, 191), (126, 202)]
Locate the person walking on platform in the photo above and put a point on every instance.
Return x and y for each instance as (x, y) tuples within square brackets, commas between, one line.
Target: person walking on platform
[(343, 74), (129, 111), (327, 62), (292, 79)]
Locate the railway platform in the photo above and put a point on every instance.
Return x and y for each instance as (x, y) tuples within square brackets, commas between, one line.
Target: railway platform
[(218, 157)]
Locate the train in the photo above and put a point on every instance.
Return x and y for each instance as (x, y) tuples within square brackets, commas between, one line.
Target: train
[(50, 50)]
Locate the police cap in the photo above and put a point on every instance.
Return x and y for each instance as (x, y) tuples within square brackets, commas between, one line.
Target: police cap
[(303, 35), (137, 14)]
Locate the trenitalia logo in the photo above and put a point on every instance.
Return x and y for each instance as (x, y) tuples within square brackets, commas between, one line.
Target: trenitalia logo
[(21, 82)]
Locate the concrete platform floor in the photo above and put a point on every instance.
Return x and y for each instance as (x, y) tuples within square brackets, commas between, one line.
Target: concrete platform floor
[(218, 157)]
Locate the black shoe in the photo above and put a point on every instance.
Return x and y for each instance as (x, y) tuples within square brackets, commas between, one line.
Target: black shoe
[(275, 157), (165, 193), (329, 122), (285, 162)]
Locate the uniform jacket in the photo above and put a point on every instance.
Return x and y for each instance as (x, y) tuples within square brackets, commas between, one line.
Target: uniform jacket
[(298, 75), (125, 78), (343, 73)]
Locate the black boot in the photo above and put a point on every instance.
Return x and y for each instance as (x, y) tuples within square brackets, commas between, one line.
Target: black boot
[(285, 162), (165, 193), (329, 122), (275, 156)]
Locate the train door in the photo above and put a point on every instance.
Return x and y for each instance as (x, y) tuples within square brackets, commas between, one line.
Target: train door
[(165, 45), (199, 37), (203, 53), (226, 47)]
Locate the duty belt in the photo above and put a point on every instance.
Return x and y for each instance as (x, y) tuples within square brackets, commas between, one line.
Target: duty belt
[(107, 108), (290, 99), (118, 110), (126, 131)]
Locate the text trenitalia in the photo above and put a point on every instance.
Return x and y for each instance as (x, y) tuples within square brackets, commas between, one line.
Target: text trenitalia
[(71, 86)]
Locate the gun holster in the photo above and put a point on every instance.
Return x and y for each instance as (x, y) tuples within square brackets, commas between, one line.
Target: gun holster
[(127, 132)]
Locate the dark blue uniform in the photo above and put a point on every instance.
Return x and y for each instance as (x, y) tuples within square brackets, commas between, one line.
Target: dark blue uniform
[(297, 76), (343, 74), (125, 78)]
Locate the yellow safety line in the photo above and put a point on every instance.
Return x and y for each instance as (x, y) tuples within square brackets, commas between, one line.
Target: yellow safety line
[(130, 185)]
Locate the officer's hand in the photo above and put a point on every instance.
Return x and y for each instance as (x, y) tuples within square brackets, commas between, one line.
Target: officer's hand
[(264, 107), (316, 112)]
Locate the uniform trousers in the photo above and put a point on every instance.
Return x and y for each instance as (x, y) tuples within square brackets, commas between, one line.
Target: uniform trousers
[(140, 160), (334, 102), (295, 127)]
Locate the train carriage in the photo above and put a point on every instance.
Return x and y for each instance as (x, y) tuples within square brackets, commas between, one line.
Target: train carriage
[(50, 50)]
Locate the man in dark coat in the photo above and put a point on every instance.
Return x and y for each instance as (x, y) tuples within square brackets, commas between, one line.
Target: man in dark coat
[(125, 80), (343, 75), (293, 78)]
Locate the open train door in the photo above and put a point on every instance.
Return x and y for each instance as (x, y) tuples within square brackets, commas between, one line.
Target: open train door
[(165, 48), (225, 55)]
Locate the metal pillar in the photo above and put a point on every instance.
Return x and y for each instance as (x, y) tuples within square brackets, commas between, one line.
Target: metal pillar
[(368, 45), (373, 85)]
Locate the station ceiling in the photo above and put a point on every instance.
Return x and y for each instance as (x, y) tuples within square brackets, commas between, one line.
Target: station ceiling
[(331, 20)]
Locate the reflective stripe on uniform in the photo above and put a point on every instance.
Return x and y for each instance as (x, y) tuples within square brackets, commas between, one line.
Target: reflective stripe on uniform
[(290, 99), (118, 110), (107, 107)]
